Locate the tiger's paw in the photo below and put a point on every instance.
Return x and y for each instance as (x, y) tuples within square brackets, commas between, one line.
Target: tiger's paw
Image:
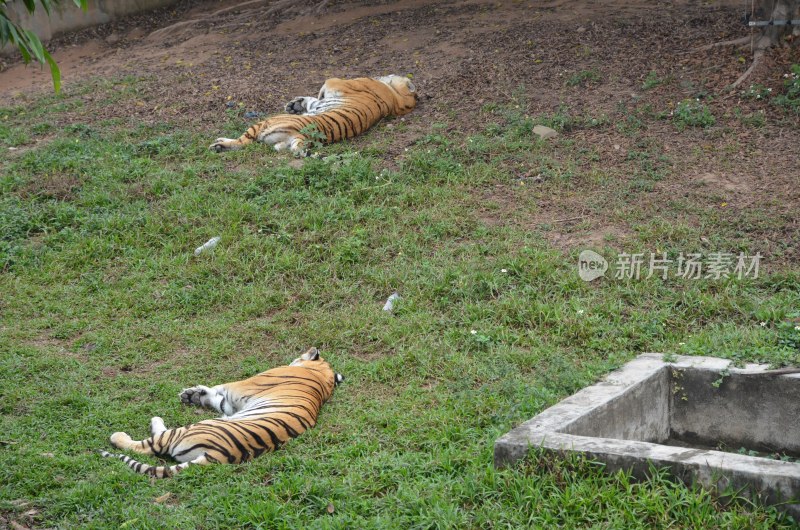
[(296, 106), (196, 395), (157, 426), (121, 440), (224, 144)]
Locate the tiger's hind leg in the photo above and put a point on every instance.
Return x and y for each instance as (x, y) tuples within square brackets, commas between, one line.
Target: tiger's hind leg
[(122, 440), (295, 144), (298, 146), (227, 144), (250, 136), (271, 132), (149, 446)]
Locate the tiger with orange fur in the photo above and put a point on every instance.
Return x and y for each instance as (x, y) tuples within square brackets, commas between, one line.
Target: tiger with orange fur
[(259, 415), (343, 109)]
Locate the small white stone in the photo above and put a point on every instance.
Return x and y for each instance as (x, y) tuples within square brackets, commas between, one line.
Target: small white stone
[(389, 305), (544, 132), (208, 245)]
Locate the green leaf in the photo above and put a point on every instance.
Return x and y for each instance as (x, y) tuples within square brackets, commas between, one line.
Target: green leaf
[(46, 5), (83, 4), (19, 40), (35, 46), (28, 42), (55, 73), (29, 5), (5, 34)]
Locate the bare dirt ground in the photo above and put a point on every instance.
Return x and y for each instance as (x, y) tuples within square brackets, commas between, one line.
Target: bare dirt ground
[(198, 56)]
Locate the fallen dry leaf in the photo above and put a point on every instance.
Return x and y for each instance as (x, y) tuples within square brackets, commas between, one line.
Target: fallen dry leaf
[(163, 498)]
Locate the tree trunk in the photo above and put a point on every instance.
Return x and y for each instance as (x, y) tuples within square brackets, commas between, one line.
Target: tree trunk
[(783, 10)]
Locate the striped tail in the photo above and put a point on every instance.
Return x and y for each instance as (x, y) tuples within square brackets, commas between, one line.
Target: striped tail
[(145, 469)]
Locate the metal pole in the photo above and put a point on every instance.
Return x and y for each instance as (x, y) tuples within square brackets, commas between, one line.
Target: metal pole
[(795, 22)]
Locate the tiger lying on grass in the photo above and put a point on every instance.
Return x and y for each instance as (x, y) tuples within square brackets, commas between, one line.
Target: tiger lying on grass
[(343, 109), (259, 414)]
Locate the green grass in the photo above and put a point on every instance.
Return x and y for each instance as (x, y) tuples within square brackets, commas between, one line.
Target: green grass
[(651, 81), (106, 315), (787, 98), (583, 78), (692, 113)]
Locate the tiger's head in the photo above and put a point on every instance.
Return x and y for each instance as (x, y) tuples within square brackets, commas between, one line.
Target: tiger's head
[(404, 90), (311, 359)]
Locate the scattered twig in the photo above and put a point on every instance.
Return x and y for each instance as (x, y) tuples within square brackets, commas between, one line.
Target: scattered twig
[(570, 219)]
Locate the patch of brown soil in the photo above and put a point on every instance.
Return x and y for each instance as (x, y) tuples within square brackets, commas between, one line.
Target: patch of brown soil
[(52, 186), (592, 238), (73, 62), (565, 222), (179, 357), (733, 184), (57, 346), (109, 372)]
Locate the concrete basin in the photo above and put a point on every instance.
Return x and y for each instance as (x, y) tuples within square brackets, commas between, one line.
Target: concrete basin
[(676, 415)]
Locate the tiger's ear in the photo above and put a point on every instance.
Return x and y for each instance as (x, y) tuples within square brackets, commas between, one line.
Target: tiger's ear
[(411, 86), (338, 378), (310, 355)]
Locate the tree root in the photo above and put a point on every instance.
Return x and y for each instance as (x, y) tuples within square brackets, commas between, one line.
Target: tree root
[(283, 4), (280, 5), (757, 56), (763, 44), (169, 29), (321, 6), (769, 37), (735, 42)]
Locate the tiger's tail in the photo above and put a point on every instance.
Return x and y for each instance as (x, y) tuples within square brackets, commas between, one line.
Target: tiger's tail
[(154, 471)]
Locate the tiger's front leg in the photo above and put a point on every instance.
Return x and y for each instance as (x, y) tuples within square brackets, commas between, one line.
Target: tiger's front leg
[(216, 398)]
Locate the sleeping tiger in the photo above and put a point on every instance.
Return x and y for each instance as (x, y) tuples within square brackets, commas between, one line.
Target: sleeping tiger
[(259, 414), (344, 108)]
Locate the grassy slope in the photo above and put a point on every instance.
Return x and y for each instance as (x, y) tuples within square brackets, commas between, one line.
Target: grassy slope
[(106, 314)]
